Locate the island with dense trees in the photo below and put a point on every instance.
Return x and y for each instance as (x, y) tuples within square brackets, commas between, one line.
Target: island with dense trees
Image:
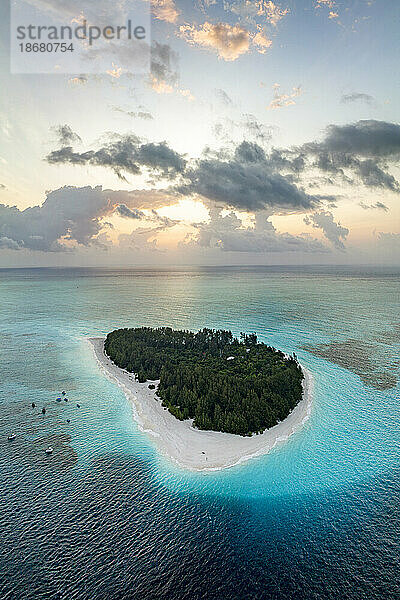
[(224, 383)]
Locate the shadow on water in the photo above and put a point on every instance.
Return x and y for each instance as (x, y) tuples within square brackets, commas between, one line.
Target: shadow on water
[(114, 531)]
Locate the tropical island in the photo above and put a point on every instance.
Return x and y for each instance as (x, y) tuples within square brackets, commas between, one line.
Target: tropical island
[(210, 380), (221, 382)]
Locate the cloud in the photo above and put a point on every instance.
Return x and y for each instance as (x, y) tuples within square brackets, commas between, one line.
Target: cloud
[(368, 138), (358, 97), (369, 171), (187, 94), (374, 176), (390, 241), (364, 148), (136, 214), (164, 68), (67, 213), (245, 180), (140, 239), (143, 199), (165, 10), (73, 9), (223, 97), (334, 232), (272, 12), (65, 135), (330, 5), (80, 80), (115, 72), (129, 213), (125, 154), (261, 41), (255, 129), (72, 216), (252, 10), (378, 205), (326, 3), (127, 57), (286, 160), (164, 76), (7, 243), (281, 100), (228, 41), (228, 234), (141, 113), (161, 87), (248, 128)]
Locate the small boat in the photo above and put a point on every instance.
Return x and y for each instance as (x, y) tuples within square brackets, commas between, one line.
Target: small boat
[(65, 399), (78, 405), (68, 420), (63, 393), (33, 405), (43, 411), (49, 450), (58, 399), (11, 437)]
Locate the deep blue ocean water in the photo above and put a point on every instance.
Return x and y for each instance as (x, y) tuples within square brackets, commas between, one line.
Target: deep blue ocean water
[(106, 517)]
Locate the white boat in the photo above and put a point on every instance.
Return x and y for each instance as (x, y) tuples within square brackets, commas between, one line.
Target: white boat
[(11, 437), (49, 450)]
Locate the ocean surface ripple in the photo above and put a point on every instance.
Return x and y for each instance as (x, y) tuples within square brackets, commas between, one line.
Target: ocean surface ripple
[(105, 517)]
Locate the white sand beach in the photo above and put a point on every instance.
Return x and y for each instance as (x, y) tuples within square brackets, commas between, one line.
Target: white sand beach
[(189, 447)]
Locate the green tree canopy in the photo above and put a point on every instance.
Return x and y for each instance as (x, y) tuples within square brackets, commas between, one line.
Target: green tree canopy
[(223, 383)]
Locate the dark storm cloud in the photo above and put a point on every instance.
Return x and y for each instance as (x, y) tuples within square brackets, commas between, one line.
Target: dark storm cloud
[(125, 153), (375, 176), (358, 97), (249, 152), (369, 138), (372, 172), (246, 181), (362, 151)]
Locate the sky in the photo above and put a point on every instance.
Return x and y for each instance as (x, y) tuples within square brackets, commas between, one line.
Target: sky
[(261, 133)]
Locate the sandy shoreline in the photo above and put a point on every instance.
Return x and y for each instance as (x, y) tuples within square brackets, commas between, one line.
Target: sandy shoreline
[(191, 448)]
